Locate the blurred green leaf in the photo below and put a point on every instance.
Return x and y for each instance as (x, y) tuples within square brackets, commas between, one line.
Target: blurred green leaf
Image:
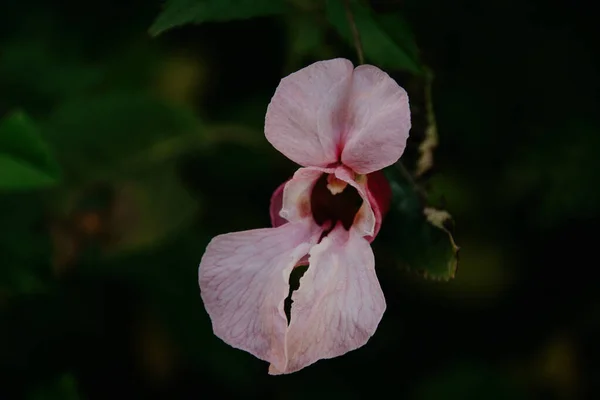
[(150, 207), (104, 136), (167, 276), (558, 173), (248, 114), (181, 12), (64, 388), (21, 279), (26, 162), (415, 234), (470, 381), (306, 36), (43, 71), (25, 249), (386, 40), (398, 29), (130, 141)]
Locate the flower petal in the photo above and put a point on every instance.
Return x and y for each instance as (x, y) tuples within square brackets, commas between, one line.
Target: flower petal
[(295, 205), (380, 192), (378, 121), (366, 222), (275, 206), (243, 279), (297, 192), (307, 113), (339, 303)]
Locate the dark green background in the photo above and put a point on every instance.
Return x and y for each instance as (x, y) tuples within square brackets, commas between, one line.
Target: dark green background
[(160, 146)]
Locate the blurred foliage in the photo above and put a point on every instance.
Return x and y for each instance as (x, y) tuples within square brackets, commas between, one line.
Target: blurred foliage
[(179, 12), (387, 39), (24, 245), (25, 160), (122, 154), (84, 133), (64, 388), (469, 381)]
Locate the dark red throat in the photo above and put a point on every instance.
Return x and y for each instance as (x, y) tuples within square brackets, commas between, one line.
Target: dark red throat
[(341, 207)]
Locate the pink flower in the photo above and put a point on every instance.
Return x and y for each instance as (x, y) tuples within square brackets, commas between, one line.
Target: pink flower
[(342, 125)]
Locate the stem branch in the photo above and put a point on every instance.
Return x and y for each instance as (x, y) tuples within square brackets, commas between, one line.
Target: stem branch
[(355, 34)]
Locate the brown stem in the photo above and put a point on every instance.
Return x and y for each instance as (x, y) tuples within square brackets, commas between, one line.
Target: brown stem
[(355, 34)]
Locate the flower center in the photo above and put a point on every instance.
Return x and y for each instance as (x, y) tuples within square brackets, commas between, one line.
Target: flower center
[(334, 200), (335, 185)]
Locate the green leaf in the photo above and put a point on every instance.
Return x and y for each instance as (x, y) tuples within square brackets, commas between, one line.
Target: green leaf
[(181, 12), (104, 136), (416, 235), (386, 40), (398, 29), (26, 162)]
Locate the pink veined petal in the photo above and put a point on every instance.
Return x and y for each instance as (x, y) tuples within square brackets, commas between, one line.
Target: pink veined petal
[(366, 221), (339, 303), (307, 112), (243, 279), (378, 121), (276, 219), (276, 205), (297, 192)]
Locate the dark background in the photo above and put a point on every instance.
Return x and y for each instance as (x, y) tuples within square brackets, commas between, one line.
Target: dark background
[(161, 144)]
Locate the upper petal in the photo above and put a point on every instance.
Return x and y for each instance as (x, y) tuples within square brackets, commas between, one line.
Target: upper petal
[(339, 303), (378, 121), (307, 112), (243, 280)]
